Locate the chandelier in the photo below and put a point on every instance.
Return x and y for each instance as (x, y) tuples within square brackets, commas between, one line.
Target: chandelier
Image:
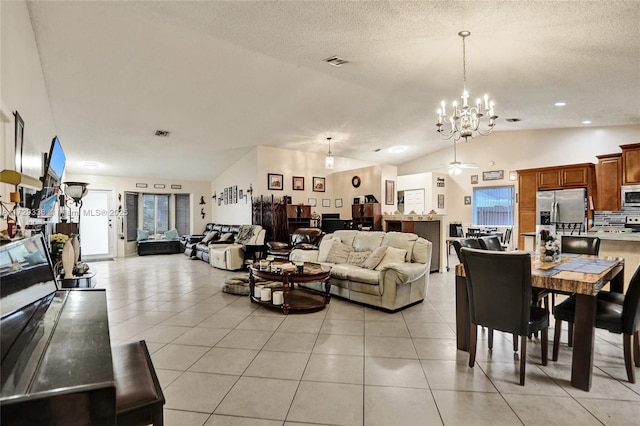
[(466, 121), (329, 161)]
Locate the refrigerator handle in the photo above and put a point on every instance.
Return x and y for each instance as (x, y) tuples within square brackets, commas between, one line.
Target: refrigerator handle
[(554, 212)]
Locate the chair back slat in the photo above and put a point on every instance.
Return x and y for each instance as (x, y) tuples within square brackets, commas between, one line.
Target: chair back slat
[(631, 305), (499, 289)]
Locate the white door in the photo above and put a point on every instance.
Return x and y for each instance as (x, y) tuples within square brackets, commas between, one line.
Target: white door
[(97, 225)]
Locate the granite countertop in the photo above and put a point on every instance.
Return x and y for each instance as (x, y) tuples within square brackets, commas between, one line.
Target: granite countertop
[(612, 236)]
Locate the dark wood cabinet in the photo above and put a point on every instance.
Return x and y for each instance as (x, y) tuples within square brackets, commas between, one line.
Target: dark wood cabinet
[(549, 179), (367, 215), (630, 164), (298, 216), (527, 188), (608, 181), (430, 230)]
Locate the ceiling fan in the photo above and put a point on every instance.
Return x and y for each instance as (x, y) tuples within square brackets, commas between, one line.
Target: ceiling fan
[(455, 167)]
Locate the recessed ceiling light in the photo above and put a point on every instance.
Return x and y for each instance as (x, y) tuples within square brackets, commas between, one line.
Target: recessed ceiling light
[(560, 104), (586, 122), (336, 61), (513, 120), (92, 165), (397, 149)]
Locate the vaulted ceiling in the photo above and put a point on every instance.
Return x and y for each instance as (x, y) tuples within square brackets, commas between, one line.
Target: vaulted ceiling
[(223, 77)]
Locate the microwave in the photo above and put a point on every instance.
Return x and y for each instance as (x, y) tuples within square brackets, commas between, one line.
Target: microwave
[(630, 196)]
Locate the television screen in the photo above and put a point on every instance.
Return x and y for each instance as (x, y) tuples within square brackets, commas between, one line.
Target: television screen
[(44, 201)]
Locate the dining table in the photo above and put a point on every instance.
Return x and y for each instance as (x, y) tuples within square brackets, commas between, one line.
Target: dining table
[(582, 275)]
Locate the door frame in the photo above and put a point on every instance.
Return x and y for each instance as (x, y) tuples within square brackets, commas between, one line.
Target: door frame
[(112, 227)]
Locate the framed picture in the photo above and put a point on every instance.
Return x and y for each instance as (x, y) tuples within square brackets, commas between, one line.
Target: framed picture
[(235, 194), (141, 185), (312, 202), (219, 201), (441, 201), (474, 179), (326, 202), (318, 184), (240, 195), (467, 200), (19, 143), (176, 186), (298, 183), (225, 197), (274, 182), (493, 175), (389, 192), (158, 185), (338, 202)]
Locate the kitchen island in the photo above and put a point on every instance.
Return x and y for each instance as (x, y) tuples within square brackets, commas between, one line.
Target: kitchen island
[(615, 244)]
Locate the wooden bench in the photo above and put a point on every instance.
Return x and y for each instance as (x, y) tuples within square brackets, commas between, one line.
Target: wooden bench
[(139, 397)]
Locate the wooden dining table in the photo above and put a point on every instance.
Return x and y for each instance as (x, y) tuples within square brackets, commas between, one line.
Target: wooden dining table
[(553, 276)]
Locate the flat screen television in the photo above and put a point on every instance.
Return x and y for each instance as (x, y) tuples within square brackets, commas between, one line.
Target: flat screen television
[(44, 202)]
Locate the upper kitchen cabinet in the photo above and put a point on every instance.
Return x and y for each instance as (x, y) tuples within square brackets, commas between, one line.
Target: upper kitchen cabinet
[(608, 181), (630, 164), (572, 176)]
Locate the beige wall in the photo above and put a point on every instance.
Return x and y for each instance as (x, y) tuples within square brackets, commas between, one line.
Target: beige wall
[(242, 174), (428, 182)]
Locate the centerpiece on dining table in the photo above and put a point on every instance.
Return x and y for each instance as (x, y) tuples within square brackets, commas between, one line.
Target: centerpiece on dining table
[(547, 244)]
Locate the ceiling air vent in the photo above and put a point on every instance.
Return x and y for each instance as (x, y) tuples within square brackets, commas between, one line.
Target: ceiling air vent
[(513, 120), (162, 133), (336, 61)]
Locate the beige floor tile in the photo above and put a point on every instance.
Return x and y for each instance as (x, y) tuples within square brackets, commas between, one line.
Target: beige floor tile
[(177, 357), (430, 330), (189, 319), (384, 406), (298, 324), (166, 377), (220, 420), (549, 410), (506, 378), (327, 403), (278, 365), (161, 333), (474, 408), (245, 339), (261, 323), (439, 349), (225, 361), (394, 372), (452, 375), (385, 328), (223, 320), (612, 413), (339, 345), (259, 397), (184, 418), (335, 368), (202, 336), (343, 326), (291, 342), (423, 315), (371, 314), (200, 392), (391, 347)]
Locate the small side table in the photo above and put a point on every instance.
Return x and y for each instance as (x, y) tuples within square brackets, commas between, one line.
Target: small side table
[(254, 252), (86, 280)]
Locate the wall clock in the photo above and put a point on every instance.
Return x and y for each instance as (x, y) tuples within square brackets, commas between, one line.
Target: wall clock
[(355, 181)]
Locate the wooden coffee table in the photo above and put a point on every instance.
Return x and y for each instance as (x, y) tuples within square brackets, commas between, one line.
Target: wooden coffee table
[(296, 298)]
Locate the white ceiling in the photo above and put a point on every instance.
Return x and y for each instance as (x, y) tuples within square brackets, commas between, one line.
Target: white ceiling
[(223, 77)]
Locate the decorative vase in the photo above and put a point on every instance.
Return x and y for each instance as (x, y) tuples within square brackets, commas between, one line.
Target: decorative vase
[(75, 242), (547, 244), (68, 259)]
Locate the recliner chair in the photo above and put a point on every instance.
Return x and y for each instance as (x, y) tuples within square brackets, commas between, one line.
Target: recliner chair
[(302, 238)]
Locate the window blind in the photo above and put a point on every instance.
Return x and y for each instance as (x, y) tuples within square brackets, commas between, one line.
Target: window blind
[(131, 204), (183, 214)]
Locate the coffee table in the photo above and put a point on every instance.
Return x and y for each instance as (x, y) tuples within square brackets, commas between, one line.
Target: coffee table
[(296, 298)]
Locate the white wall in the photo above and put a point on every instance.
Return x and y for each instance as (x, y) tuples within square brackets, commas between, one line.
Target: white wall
[(515, 150), (242, 174), (428, 182)]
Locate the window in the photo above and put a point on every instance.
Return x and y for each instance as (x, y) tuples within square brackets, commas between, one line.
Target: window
[(131, 203), (155, 213), (183, 214), (493, 206)]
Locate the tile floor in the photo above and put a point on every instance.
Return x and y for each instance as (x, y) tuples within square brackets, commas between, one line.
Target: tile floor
[(224, 361)]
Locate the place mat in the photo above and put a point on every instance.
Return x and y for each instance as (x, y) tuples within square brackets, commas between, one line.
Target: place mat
[(546, 272), (586, 266)]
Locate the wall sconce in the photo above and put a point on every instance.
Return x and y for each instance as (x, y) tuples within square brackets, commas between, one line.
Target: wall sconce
[(250, 190), (214, 196), (202, 200)]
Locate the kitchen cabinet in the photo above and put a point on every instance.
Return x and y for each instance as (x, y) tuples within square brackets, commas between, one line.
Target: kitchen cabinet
[(630, 164), (527, 187), (608, 181)]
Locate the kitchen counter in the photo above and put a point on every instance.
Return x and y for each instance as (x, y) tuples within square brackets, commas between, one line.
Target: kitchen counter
[(616, 244)]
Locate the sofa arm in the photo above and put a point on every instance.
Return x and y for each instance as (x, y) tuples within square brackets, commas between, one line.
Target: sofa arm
[(402, 273), (235, 257), (277, 245), (192, 238), (299, 255)]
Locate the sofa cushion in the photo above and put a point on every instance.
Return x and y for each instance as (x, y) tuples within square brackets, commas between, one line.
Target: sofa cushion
[(421, 251), (210, 236), (346, 236), (171, 234), (339, 252), (325, 248), (357, 258), (367, 241), (392, 255), (143, 235), (227, 237), (375, 257), (401, 240), (353, 273)]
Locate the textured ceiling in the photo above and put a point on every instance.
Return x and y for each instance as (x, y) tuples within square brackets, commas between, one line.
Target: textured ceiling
[(223, 77)]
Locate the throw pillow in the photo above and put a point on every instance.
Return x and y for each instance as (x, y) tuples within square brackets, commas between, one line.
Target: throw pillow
[(210, 236), (244, 234), (143, 235), (392, 255), (324, 249), (171, 234), (339, 252), (226, 237), (375, 257), (357, 258)]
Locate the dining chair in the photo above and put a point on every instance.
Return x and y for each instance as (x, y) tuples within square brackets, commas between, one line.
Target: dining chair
[(490, 243), (506, 240), (466, 242), (620, 319), (499, 290), (473, 232)]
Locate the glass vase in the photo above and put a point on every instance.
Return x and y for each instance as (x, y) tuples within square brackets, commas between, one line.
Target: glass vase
[(547, 244)]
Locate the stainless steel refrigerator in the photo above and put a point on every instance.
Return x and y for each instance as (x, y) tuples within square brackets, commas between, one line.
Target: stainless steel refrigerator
[(565, 208)]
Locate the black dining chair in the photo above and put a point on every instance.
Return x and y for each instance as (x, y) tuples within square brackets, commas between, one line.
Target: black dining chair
[(620, 319), (506, 240), (473, 232), (499, 291), (491, 243), (466, 242)]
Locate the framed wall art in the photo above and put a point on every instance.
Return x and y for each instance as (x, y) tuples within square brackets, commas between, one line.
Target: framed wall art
[(298, 183), (326, 202), (158, 185), (318, 184), (338, 202), (19, 143), (493, 175), (274, 182), (467, 200), (235, 194), (389, 192), (312, 202), (474, 179)]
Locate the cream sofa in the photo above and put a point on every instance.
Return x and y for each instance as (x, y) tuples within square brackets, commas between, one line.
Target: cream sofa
[(231, 256), (391, 286)]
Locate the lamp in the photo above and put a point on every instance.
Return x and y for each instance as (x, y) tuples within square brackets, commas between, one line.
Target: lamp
[(329, 162), (466, 121), (14, 178), (76, 191)]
